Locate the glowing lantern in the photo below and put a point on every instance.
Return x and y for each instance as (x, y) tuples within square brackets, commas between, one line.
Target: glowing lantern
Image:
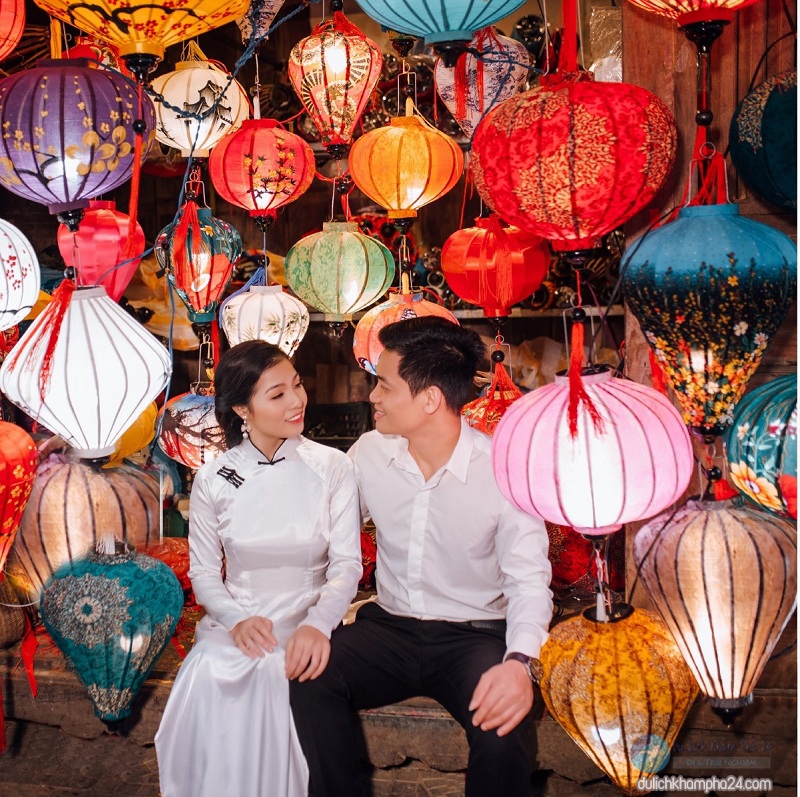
[(265, 312), (686, 11), (261, 167), (490, 72), (12, 23), (494, 267), (630, 468), (135, 437), (620, 689), (710, 290), (18, 462), (97, 249), (367, 347), (196, 87), (67, 133), (339, 270), (190, 433), (762, 446), (19, 276), (725, 582), (405, 165), (85, 369), (334, 71)]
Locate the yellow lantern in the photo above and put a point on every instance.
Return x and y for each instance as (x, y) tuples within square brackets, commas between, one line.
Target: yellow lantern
[(136, 437), (405, 165), (620, 689)]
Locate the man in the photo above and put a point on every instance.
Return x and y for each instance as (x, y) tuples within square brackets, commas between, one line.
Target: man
[(463, 577)]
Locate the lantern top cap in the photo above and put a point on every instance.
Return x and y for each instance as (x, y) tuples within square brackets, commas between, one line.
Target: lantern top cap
[(193, 65), (728, 209), (265, 123), (265, 289), (89, 293), (102, 204), (407, 121), (601, 373), (340, 226)]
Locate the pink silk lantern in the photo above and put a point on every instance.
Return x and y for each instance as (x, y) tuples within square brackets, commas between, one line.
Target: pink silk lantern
[(97, 250), (631, 467)]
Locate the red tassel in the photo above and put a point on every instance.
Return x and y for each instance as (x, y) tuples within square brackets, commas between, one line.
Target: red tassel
[(215, 342), (28, 650), (568, 57), (723, 491), (577, 390), (659, 377), (342, 23), (502, 393), (460, 86), (502, 261), (131, 250)]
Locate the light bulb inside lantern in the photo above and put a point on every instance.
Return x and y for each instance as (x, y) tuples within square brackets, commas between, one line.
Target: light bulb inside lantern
[(607, 735), (203, 272), (334, 54)]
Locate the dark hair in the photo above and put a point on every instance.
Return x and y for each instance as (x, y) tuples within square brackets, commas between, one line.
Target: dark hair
[(235, 379), (436, 352)]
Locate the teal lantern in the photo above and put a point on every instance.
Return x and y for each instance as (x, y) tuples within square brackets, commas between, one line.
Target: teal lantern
[(762, 446), (112, 616), (709, 291), (339, 270)]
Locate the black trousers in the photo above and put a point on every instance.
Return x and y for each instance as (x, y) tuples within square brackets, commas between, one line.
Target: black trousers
[(381, 659)]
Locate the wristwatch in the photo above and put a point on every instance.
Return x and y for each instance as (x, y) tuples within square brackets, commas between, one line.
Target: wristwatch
[(533, 666)]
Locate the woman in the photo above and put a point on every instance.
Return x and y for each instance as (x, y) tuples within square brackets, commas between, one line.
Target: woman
[(275, 562)]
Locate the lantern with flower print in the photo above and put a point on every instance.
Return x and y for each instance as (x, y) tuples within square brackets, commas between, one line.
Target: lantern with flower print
[(12, 23), (18, 462), (19, 276), (67, 133), (709, 291), (762, 446)]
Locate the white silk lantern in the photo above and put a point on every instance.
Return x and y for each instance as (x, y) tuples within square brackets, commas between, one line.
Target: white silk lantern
[(104, 369), (19, 276), (630, 467)]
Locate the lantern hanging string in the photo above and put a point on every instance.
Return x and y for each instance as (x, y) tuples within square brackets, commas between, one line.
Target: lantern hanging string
[(603, 598)]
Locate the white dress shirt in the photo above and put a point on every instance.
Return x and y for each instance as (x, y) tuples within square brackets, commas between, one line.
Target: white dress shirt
[(453, 548)]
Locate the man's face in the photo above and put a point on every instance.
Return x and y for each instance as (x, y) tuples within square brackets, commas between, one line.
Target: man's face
[(396, 410)]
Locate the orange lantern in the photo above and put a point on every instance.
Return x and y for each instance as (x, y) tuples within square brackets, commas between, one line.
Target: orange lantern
[(494, 267), (334, 71), (18, 462), (12, 23), (405, 165)]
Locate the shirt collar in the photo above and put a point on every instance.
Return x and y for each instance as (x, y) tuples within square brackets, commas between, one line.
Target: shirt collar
[(285, 450), (458, 464)]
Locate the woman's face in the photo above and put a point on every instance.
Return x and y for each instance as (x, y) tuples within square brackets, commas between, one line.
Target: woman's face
[(277, 406)]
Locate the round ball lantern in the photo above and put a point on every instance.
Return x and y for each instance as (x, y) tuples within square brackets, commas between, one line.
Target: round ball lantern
[(709, 291), (86, 369), (190, 433), (72, 507), (97, 249), (339, 270), (112, 616), (494, 267), (763, 140), (265, 312), (367, 347), (405, 165), (12, 23), (493, 69), (20, 278), (762, 446), (197, 87), (725, 581), (573, 159), (620, 689), (18, 462), (333, 71), (67, 133), (261, 167), (636, 463)]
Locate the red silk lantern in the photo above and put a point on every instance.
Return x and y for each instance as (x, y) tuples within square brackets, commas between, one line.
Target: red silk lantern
[(688, 11), (99, 245), (12, 23), (261, 167), (18, 462), (484, 413), (494, 267)]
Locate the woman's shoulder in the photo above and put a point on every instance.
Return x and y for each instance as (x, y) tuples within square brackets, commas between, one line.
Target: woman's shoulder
[(323, 459)]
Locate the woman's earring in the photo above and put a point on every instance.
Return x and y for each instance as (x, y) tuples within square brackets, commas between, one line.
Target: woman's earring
[(245, 429)]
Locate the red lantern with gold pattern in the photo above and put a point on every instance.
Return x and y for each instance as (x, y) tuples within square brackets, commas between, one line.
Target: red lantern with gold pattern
[(18, 462), (12, 23), (484, 413), (494, 267)]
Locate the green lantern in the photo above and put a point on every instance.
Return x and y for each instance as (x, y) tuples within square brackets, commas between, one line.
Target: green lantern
[(339, 270)]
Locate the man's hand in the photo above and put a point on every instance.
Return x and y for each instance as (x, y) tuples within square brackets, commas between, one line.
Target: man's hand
[(253, 636), (307, 653), (502, 698)]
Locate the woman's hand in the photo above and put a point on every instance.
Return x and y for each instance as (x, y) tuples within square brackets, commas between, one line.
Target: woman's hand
[(307, 653), (253, 636)]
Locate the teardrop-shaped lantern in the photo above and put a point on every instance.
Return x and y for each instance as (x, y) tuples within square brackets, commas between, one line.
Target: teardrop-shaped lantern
[(405, 165), (197, 87), (112, 616), (635, 464), (493, 69), (620, 689), (265, 312), (494, 267), (367, 347), (339, 270), (709, 291), (97, 249), (20, 278), (18, 462), (12, 23), (104, 369), (724, 579), (333, 71), (762, 446)]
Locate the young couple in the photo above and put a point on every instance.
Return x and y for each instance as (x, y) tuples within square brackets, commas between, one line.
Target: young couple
[(264, 705)]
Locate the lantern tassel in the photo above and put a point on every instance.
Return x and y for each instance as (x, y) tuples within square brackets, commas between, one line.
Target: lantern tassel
[(502, 262), (460, 86), (657, 372), (502, 392), (131, 250), (577, 390), (28, 651)]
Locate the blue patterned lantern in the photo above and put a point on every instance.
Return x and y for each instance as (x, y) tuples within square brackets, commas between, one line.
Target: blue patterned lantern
[(709, 291), (112, 616), (762, 446)]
